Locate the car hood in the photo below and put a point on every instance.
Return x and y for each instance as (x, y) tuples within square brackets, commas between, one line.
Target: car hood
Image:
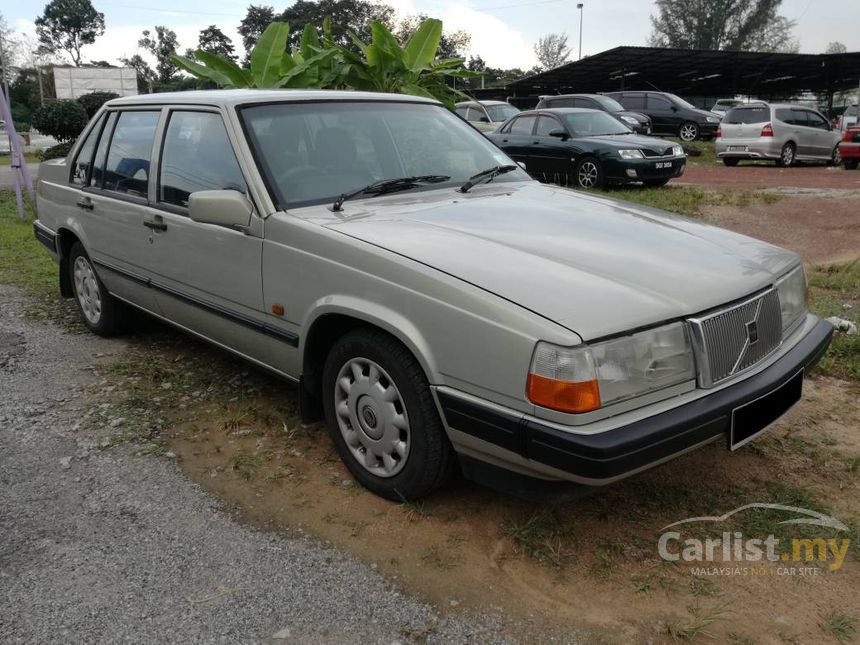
[(627, 141), (594, 265)]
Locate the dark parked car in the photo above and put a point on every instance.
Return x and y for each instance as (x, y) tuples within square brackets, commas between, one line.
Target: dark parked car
[(638, 122), (588, 148), (670, 114)]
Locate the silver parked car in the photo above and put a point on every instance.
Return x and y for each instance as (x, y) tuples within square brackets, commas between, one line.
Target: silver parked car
[(724, 105), (433, 303), (486, 115), (781, 132)]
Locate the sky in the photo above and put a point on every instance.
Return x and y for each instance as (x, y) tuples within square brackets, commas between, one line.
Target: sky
[(503, 31)]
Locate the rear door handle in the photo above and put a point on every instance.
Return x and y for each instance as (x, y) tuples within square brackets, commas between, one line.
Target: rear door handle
[(156, 223), (86, 203)]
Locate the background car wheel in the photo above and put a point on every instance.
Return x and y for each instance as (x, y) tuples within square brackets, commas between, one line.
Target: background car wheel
[(836, 158), (100, 311), (589, 173), (656, 183), (786, 156), (730, 162), (850, 164), (382, 417), (688, 131)]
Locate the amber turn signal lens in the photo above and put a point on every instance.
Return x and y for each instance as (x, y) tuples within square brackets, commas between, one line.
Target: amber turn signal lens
[(564, 396)]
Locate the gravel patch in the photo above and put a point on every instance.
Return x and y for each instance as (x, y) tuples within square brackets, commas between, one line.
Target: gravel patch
[(100, 545)]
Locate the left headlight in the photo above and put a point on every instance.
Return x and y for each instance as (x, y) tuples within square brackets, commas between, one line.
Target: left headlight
[(678, 151), (587, 377), (630, 120), (631, 154), (712, 119), (792, 297)]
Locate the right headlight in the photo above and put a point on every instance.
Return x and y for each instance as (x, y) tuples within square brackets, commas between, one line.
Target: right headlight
[(631, 154), (587, 377), (792, 297)]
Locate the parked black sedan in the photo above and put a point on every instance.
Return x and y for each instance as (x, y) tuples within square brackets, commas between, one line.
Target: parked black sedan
[(638, 122), (587, 148)]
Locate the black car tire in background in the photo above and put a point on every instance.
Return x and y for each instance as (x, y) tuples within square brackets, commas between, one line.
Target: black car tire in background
[(850, 164), (731, 161), (589, 173), (656, 183)]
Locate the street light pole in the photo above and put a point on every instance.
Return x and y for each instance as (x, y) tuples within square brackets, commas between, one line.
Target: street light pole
[(579, 6)]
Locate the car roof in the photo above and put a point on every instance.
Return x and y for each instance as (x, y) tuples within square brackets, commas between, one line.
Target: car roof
[(558, 110), (579, 94), (467, 103), (240, 97)]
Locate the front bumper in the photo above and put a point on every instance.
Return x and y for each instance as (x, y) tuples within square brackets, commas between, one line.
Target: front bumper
[(544, 450), (625, 170)]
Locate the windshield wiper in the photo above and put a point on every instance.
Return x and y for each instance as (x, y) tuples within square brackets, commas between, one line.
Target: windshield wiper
[(487, 175), (389, 186)]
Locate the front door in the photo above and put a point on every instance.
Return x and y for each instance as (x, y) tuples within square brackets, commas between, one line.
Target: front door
[(519, 142), (664, 115), (552, 157)]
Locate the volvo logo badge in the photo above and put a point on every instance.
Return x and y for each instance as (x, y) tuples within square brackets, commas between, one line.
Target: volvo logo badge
[(752, 332)]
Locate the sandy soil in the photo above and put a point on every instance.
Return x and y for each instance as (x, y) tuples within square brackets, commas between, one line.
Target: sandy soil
[(761, 175)]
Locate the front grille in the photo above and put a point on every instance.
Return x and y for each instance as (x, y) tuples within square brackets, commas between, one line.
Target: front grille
[(734, 339), (657, 153)]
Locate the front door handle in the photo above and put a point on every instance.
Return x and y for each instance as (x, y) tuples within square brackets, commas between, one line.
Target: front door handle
[(86, 203), (156, 223)]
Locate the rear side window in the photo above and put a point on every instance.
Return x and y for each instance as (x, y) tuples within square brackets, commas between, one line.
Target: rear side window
[(785, 115), (84, 160), (562, 103), (523, 125), (127, 168), (197, 155), (750, 115)]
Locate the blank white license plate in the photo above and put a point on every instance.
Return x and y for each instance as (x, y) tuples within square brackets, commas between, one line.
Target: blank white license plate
[(663, 164), (738, 149)]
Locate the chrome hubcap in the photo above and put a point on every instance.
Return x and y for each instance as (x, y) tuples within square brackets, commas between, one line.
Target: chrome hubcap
[(372, 417), (587, 175), (787, 155), (87, 290), (688, 132)]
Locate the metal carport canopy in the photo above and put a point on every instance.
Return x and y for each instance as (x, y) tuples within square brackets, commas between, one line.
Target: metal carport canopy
[(696, 72)]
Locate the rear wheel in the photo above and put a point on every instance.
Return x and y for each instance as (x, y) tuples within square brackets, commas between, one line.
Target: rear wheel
[(100, 311), (688, 131), (836, 157), (589, 173), (731, 162), (850, 164), (382, 417), (786, 156)]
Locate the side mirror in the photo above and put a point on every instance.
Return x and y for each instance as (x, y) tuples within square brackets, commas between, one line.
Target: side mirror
[(222, 207), (559, 133), (484, 119)]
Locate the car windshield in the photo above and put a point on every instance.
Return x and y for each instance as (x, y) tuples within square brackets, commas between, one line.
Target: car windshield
[(500, 113), (593, 124), (682, 102), (314, 152), (609, 104)]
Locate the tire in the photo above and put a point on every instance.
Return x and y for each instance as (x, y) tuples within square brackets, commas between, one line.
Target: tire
[(850, 164), (786, 156), (100, 312), (656, 183), (836, 157), (382, 417), (688, 131), (589, 173), (730, 162)]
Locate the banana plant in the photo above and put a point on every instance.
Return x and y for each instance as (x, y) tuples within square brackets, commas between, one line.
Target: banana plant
[(310, 65)]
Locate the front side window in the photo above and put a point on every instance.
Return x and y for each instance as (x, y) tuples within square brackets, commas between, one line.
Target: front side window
[(658, 103), (197, 155), (127, 169), (545, 125), (314, 152), (816, 120), (677, 100), (610, 104), (84, 160), (523, 125)]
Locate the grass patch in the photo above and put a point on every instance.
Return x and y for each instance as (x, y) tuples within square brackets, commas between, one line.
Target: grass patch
[(543, 536), (832, 287), (689, 200), (696, 624), (839, 625), (245, 464), (29, 157), (23, 261)]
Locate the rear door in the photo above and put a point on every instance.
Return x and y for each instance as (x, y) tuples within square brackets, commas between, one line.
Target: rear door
[(807, 137), (113, 203), (206, 277)]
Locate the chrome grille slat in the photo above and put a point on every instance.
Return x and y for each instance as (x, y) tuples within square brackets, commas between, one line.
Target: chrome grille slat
[(722, 342)]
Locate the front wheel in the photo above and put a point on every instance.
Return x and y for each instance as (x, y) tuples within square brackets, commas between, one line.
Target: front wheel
[(850, 164), (688, 131), (100, 311), (382, 417), (589, 173), (730, 162)]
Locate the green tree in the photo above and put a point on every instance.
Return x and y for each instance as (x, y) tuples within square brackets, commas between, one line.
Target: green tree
[(776, 37), (252, 26), (146, 76), (720, 24), (94, 100), (63, 120), (161, 44), (835, 47), (346, 16), (68, 25), (552, 50), (214, 41)]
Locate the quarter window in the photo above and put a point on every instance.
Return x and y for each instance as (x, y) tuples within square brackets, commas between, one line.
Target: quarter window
[(84, 160), (197, 156), (127, 168), (98, 172), (523, 125)]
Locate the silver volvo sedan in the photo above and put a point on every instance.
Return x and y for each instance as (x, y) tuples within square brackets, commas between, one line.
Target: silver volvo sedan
[(436, 306)]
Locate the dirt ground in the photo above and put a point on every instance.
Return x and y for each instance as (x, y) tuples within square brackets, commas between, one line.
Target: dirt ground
[(755, 175)]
